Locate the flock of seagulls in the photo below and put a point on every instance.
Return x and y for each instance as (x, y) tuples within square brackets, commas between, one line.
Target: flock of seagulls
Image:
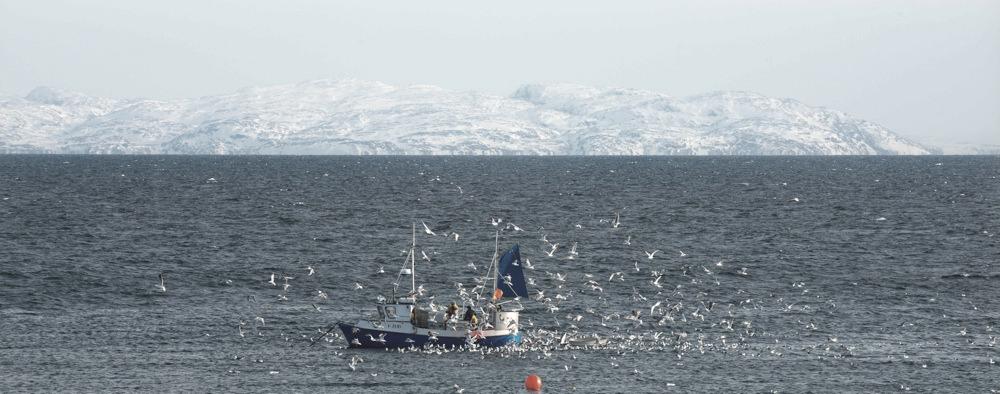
[(680, 305)]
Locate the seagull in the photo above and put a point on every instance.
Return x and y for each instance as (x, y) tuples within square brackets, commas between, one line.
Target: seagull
[(311, 270), (617, 222), (381, 270), (496, 221), (515, 227), (358, 286), (653, 308), (316, 308), (321, 294), (650, 254), (261, 320), (682, 253), (427, 229), (572, 251), (656, 282), (472, 266), (162, 287), (424, 256), (554, 246), (455, 235), (271, 282), (460, 190), (240, 327), (527, 264), (628, 241)]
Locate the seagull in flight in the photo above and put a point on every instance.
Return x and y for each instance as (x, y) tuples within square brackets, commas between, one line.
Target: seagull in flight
[(628, 241), (656, 282), (358, 286), (554, 247), (427, 229), (424, 256), (271, 282), (682, 253), (311, 270), (650, 254), (162, 287)]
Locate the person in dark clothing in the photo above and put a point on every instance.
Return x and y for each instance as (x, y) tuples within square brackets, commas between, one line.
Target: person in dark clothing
[(469, 313)]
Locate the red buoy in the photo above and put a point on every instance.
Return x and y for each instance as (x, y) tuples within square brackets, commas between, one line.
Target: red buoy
[(533, 383)]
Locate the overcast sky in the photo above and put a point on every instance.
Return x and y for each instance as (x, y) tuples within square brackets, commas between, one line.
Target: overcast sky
[(929, 70)]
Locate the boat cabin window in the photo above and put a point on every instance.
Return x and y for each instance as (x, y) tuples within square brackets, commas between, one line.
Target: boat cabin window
[(390, 312)]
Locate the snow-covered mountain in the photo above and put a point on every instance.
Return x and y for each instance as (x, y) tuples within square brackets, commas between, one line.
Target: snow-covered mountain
[(363, 117)]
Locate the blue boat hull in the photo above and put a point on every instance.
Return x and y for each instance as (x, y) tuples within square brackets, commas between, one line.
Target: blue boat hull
[(403, 340)]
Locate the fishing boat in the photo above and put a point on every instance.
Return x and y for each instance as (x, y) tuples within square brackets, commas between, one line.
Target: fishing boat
[(400, 322)]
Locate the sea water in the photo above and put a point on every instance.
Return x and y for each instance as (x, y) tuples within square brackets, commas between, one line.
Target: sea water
[(789, 274)]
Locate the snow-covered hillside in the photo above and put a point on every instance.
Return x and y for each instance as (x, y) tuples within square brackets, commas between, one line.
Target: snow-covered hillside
[(363, 117)]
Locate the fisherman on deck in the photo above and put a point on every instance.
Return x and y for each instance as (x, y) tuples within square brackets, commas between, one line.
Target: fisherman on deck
[(470, 316), (452, 311)]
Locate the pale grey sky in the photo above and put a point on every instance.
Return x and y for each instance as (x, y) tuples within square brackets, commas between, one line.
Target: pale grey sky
[(929, 70)]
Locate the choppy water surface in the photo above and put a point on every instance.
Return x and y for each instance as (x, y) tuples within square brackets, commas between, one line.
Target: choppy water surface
[(822, 274)]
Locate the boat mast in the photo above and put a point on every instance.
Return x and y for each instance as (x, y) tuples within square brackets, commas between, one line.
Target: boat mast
[(495, 263), (413, 262)]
